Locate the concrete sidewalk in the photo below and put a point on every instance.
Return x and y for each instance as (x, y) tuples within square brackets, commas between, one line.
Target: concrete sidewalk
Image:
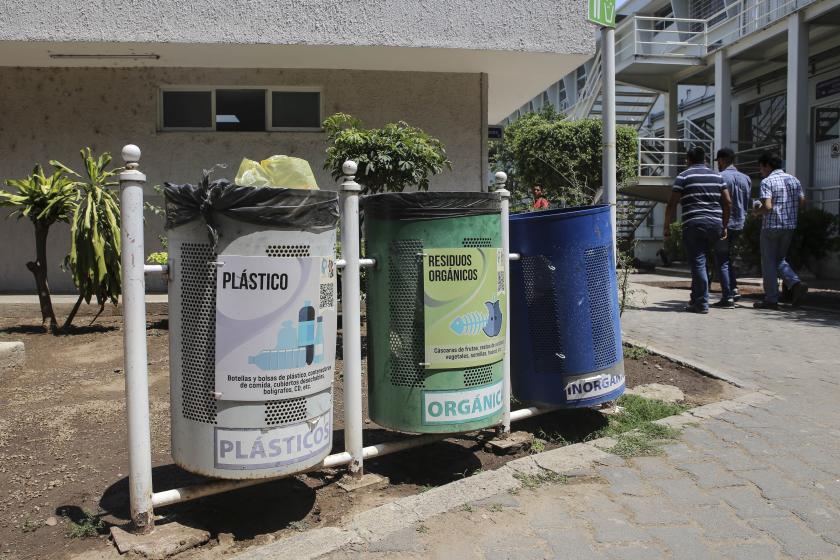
[(759, 483)]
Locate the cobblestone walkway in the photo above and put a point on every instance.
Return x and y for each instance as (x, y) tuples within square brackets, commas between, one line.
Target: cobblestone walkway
[(760, 483)]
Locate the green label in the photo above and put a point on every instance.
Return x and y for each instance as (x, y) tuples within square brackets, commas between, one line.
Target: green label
[(601, 12), (464, 307)]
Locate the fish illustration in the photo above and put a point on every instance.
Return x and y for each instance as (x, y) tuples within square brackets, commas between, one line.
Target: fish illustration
[(473, 322)]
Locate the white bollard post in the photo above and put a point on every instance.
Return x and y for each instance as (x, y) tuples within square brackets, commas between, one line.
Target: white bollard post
[(501, 179), (134, 337), (351, 319)]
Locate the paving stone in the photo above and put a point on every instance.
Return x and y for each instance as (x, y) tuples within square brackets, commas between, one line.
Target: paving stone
[(614, 527), (796, 539), (818, 516), (654, 467), (748, 502), (719, 523), (514, 547), (734, 459), (773, 485), (632, 552), (624, 480), (798, 470), (685, 543), (652, 511), (748, 551), (571, 543), (404, 540), (711, 475), (683, 492)]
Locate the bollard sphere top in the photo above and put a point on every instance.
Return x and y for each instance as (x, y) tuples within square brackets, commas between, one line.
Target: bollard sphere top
[(130, 153), (501, 177), (349, 167)]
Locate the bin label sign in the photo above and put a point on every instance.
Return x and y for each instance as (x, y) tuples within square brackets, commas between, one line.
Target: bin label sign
[(464, 307), (465, 405), (275, 327), (589, 386), (256, 448)]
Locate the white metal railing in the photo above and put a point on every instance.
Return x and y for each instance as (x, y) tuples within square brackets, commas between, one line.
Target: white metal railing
[(661, 36), (686, 37), (665, 157), (589, 93), (693, 131), (742, 17)]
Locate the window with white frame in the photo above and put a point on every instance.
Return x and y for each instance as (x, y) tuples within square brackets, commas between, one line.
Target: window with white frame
[(240, 109)]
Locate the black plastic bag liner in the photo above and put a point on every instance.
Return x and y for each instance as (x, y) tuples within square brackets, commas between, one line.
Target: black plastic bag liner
[(429, 205), (308, 210)]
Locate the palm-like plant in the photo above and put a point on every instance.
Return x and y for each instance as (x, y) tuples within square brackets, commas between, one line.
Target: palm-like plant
[(94, 259), (45, 200)]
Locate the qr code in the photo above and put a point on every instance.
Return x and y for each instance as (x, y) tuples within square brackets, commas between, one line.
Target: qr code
[(500, 281), (327, 296)]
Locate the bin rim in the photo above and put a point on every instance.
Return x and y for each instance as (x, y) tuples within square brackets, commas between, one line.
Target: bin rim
[(561, 213), (424, 205)]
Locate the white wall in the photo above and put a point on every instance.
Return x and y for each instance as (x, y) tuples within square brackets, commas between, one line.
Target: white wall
[(50, 113)]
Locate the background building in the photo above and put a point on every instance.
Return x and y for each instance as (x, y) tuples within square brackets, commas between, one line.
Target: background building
[(753, 75), (207, 84)]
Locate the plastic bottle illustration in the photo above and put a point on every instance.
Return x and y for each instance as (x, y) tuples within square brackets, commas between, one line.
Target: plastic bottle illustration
[(475, 321), (319, 341), (306, 330)]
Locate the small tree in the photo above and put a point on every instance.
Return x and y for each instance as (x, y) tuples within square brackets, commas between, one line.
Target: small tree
[(45, 200), (562, 156), (94, 258), (390, 158)]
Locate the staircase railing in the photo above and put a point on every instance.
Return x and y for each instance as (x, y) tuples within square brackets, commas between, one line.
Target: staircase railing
[(590, 91)]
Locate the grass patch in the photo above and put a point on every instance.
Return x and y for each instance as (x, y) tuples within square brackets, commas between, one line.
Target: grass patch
[(635, 352), (537, 446), (634, 429), (299, 525), (467, 508), (88, 526), (422, 529), (532, 481), (496, 507), (29, 526), (638, 412)]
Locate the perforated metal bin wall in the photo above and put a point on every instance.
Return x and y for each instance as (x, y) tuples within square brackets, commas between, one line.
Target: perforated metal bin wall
[(395, 326), (565, 331), (195, 411)]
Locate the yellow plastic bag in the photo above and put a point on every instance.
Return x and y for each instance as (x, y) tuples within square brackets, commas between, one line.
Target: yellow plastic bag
[(276, 171)]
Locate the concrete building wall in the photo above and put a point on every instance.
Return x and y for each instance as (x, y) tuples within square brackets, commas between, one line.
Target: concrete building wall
[(50, 113), (545, 26)]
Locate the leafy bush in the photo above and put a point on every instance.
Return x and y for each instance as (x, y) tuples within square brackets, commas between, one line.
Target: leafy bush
[(390, 159), (160, 257), (815, 236), (562, 156), (674, 247)]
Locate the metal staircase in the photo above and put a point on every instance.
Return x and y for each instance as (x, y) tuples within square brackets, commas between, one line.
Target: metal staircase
[(632, 107)]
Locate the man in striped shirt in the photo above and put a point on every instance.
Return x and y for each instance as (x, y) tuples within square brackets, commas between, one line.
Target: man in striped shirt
[(706, 203), (781, 197)]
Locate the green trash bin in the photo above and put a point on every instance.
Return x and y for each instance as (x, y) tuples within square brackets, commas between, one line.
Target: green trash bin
[(436, 311)]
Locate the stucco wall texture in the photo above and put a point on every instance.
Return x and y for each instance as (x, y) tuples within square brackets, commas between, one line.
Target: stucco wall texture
[(50, 113), (554, 26)]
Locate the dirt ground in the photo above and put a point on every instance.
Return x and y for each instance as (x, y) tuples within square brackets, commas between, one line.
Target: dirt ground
[(63, 447)]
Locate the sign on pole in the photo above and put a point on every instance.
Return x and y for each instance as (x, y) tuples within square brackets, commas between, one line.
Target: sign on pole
[(602, 12)]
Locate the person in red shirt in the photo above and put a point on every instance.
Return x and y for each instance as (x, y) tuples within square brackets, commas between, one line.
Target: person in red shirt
[(540, 201)]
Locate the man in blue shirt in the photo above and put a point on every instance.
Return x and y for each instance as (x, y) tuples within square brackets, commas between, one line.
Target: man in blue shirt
[(705, 202), (781, 197), (740, 188)]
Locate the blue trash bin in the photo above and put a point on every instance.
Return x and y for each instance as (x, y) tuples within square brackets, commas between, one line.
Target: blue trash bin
[(565, 333)]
